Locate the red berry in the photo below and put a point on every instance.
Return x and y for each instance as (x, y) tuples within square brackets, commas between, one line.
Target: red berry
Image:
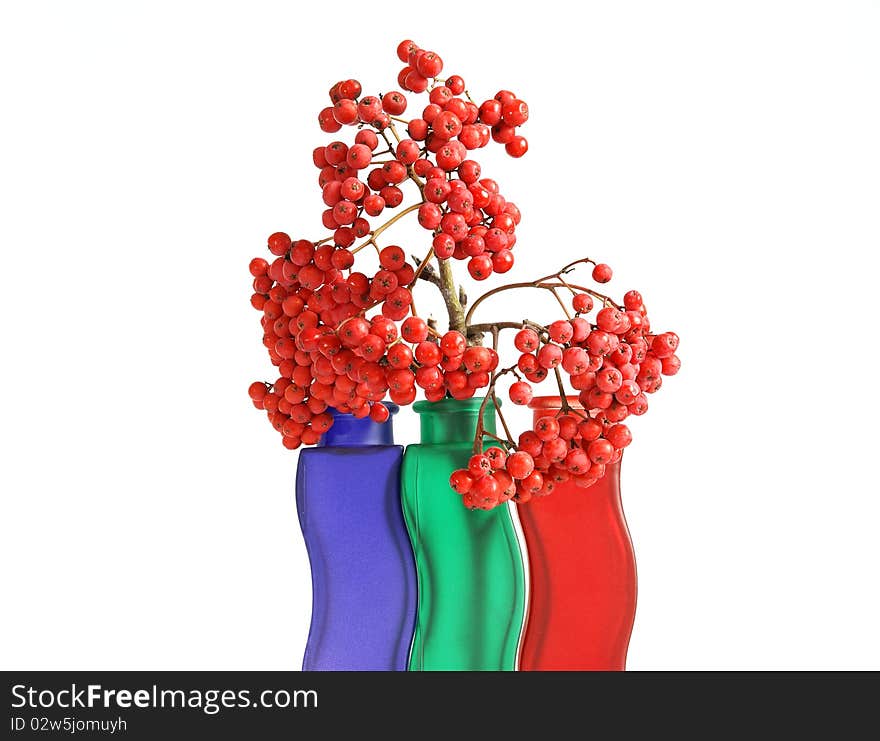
[(526, 340), (485, 492), (577, 461), (504, 134), (453, 343), (533, 482), (549, 356), (404, 49), (429, 64), (477, 359), (368, 108), (589, 429), (506, 485), (619, 436), (479, 465), (447, 125), (496, 456), (554, 449), (372, 347), (427, 353), (258, 266), (350, 89), (358, 156), (480, 267), (632, 300), (628, 392), (379, 413), (515, 113), (609, 380), (327, 122), (430, 215), (665, 344), (345, 111), (394, 103), (520, 464), (560, 331), (582, 303), (437, 190), (575, 361), (517, 146), (456, 84), (546, 428), (600, 451), (461, 481), (520, 393), (407, 151), (502, 261), (670, 365), (391, 195), (601, 273), (490, 112), (415, 82), (392, 257), (414, 330), (279, 243), (399, 356)]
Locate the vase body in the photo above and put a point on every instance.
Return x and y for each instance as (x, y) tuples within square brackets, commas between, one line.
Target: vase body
[(469, 564), (582, 574), (363, 574)]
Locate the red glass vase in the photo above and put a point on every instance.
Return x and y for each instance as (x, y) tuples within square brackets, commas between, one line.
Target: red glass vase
[(582, 573)]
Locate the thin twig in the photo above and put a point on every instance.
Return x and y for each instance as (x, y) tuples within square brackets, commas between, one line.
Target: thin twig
[(421, 268), (501, 417), (390, 222), (561, 303)]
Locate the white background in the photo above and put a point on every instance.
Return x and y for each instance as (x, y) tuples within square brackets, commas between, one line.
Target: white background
[(722, 156)]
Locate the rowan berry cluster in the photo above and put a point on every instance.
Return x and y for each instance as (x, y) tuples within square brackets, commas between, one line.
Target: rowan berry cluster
[(315, 306), (345, 340), (612, 361)]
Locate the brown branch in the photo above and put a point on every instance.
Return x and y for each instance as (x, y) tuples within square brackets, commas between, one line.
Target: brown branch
[(501, 417), (490, 394), (490, 326), (428, 273), (561, 303), (421, 267), (450, 297), (537, 284), (390, 222)]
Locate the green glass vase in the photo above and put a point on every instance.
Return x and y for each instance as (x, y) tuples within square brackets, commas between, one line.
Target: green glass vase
[(469, 564)]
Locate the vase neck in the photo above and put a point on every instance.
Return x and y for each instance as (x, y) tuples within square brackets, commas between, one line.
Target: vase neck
[(452, 420), (349, 431)]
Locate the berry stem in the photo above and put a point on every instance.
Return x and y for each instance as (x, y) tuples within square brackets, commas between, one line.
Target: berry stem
[(481, 430), (562, 395), (394, 133), (561, 304), (421, 268), (390, 222), (501, 418), (495, 437), (490, 326), (541, 283)]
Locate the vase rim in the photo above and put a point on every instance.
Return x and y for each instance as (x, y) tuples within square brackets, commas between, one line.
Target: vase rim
[(450, 406), (554, 402), (335, 413)]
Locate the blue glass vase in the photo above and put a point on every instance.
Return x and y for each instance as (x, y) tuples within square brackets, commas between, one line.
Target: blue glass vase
[(363, 574)]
